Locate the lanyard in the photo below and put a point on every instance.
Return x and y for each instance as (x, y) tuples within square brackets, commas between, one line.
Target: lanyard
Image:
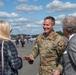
[(2, 52)]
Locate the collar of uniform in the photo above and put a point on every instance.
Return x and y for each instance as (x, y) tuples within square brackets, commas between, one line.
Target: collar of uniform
[(48, 36)]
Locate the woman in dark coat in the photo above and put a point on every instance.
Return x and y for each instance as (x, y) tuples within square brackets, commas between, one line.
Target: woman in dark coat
[(10, 62)]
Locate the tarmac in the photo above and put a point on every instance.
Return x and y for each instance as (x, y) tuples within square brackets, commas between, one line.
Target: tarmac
[(27, 69)]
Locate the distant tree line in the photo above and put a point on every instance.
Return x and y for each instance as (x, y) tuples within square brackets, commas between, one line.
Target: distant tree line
[(60, 33), (24, 35)]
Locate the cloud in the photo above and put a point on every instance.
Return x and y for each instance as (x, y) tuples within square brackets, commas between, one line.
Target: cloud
[(32, 26), (22, 20), (25, 29), (61, 17), (58, 6), (35, 0), (1, 4), (28, 8), (8, 15), (39, 22), (7, 0), (22, 0), (74, 14), (25, 25)]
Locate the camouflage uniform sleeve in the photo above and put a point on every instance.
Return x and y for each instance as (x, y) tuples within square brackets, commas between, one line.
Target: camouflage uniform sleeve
[(35, 50), (61, 44)]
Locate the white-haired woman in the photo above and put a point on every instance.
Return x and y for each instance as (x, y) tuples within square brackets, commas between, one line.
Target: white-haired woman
[(9, 60)]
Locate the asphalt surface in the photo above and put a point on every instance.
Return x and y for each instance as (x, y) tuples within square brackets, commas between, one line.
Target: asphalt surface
[(27, 69)]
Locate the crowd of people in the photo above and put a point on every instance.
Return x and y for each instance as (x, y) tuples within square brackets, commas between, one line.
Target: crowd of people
[(21, 41), (56, 56)]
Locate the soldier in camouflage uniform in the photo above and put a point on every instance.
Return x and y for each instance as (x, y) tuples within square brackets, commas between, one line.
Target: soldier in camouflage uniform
[(49, 45)]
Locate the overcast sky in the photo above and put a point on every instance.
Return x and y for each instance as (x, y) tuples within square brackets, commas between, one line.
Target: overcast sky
[(26, 16)]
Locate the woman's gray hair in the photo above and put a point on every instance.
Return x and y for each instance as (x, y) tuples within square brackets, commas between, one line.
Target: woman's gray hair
[(69, 24)]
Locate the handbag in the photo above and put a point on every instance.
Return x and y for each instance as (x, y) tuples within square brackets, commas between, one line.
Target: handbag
[(2, 52)]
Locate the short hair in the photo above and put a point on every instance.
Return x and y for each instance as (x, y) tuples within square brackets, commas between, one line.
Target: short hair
[(51, 18), (4, 30), (69, 24)]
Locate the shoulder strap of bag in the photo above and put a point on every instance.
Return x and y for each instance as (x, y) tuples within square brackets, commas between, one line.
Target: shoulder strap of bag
[(2, 52)]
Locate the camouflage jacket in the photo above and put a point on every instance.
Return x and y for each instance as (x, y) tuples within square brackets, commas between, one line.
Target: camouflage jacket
[(47, 46)]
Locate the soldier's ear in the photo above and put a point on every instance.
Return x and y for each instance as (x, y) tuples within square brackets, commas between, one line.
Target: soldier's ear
[(52, 26)]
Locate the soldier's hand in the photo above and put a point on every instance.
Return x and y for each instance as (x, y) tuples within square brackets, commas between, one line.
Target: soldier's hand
[(28, 58), (56, 72)]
